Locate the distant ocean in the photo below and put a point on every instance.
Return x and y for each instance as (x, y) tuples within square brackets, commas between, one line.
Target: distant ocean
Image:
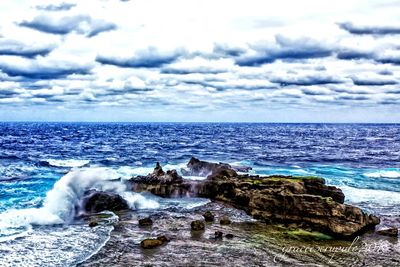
[(46, 167)]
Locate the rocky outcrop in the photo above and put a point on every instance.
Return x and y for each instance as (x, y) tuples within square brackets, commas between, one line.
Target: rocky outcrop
[(160, 183), (97, 201), (304, 201)]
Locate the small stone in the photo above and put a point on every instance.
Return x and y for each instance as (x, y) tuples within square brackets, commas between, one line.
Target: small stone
[(163, 239), (150, 243), (197, 225), (230, 236), (93, 224), (208, 216), (146, 222), (218, 235), (225, 221), (389, 232)]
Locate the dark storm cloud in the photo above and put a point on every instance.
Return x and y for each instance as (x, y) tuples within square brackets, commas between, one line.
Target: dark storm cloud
[(354, 55), (14, 48), (306, 80), (372, 82), (285, 49), (40, 72), (388, 60), (374, 30), (149, 58), (81, 24), (59, 7)]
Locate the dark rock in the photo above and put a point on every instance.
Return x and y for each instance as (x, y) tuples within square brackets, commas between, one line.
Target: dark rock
[(158, 171), (218, 235), (389, 232), (145, 222), (161, 184), (229, 236), (151, 243), (225, 221), (93, 224), (197, 225), (197, 167), (97, 201), (208, 216)]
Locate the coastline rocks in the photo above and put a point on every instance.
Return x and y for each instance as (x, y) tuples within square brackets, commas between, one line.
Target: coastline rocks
[(394, 232), (97, 201), (197, 226), (306, 202), (208, 216)]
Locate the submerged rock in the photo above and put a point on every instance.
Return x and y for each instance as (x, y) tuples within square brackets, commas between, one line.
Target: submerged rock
[(389, 232), (218, 235), (97, 201), (197, 225), (304, 201), (145, 222), (208, 216)]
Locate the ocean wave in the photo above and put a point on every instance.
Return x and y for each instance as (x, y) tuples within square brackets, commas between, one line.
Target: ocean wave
[(371, 196), (60, 201), (71, 163), (391, 174)]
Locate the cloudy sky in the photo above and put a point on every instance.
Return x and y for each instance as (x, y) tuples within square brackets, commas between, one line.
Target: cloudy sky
[(200, 60)]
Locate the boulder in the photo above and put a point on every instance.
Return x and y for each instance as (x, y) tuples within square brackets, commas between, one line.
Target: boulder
[(225, 221), (151, 243), (97, 201), (229, 236), (197, 225), (208, 216), (394, 232), (145, 222)]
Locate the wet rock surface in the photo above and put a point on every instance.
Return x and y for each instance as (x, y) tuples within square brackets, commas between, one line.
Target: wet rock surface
[(246, 242)]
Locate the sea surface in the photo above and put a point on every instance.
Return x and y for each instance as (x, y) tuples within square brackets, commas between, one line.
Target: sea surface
[(46, 167)]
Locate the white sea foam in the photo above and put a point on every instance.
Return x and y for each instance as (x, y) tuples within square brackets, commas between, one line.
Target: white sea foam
[(384, 174), (67, 162), (58, 206), (372, 196)]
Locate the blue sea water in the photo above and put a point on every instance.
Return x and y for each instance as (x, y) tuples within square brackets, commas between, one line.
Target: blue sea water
[(44, 166)]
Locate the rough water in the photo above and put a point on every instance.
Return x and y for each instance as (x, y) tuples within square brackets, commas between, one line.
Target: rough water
[(46, 167)]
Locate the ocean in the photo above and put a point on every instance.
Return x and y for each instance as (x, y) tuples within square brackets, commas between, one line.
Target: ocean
[(46, 167)]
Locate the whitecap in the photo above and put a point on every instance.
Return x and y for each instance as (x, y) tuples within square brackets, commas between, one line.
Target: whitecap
[(71, 163), (391, 174)]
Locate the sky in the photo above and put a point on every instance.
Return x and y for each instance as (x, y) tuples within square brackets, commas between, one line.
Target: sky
[(200, 60)]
